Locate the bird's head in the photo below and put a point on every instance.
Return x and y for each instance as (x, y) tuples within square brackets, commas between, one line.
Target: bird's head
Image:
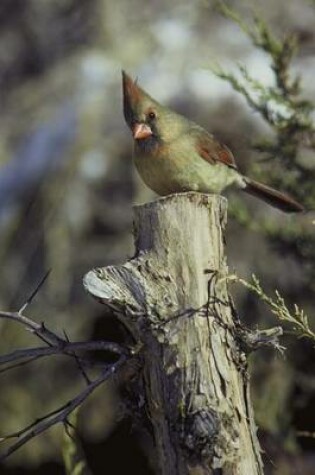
[(148, 120)]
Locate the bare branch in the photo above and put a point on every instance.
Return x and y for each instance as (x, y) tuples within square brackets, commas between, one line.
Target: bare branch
[(60, 415), (39, 329), (79, 363), (35, 292), (56, 346), (64, 349)]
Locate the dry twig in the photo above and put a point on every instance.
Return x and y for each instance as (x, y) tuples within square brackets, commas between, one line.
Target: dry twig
[(56, 345)]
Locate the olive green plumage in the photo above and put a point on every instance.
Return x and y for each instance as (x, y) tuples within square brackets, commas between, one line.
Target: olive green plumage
[(173, 154)]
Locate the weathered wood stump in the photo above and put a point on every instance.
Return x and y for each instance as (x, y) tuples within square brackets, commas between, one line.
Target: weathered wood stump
[(173, 297)]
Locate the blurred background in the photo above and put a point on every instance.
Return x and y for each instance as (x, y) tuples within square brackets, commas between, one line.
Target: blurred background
[(67, 186)]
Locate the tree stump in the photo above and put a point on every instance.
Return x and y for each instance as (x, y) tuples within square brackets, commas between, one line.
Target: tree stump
[(173, 298)]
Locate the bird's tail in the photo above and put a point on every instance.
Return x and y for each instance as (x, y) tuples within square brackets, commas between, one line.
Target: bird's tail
[(275, 198)]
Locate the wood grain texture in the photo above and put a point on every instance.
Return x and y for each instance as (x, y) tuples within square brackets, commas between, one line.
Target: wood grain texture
[(174, 299)]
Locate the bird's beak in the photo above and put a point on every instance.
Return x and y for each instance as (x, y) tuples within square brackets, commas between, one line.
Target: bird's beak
[(141, 131)]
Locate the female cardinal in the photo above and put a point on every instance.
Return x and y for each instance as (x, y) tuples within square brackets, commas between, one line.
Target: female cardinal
[(173, 154)]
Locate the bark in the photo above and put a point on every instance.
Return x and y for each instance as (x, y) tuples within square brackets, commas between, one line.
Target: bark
[(173, 297)]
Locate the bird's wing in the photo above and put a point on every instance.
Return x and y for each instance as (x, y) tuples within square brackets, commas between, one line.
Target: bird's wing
[(213, 151)]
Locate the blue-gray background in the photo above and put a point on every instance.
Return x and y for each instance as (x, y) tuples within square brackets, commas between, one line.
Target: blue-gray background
[(67, 186)]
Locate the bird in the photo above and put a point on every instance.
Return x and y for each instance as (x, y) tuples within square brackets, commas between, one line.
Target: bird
[(174, 154)]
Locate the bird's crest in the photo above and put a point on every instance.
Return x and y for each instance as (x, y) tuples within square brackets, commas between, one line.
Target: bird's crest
[(132, 94), (134, 97)]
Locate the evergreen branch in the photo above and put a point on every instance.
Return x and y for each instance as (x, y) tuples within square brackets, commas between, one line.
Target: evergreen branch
[(296, 317), (280, 105)]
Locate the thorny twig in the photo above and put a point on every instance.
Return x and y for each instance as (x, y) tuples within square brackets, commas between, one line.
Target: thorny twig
[(79, 363), (66, 349), (35, 292), (38, 329), (62, 413), (56, 345)]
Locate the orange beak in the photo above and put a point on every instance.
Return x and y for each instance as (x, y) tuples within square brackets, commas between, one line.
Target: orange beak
[(141, 131)]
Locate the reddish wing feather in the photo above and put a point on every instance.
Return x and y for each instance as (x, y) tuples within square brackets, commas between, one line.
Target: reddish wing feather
[(212, 151)]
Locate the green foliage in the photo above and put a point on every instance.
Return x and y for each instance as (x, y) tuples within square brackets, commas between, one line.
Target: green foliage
[(289, 151), (281, 105)]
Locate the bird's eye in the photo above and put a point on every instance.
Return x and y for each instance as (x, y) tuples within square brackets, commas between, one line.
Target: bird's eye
[(152, 115)]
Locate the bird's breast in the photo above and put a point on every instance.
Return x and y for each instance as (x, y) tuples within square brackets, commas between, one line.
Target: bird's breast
[(157, 169), (176, 168)]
